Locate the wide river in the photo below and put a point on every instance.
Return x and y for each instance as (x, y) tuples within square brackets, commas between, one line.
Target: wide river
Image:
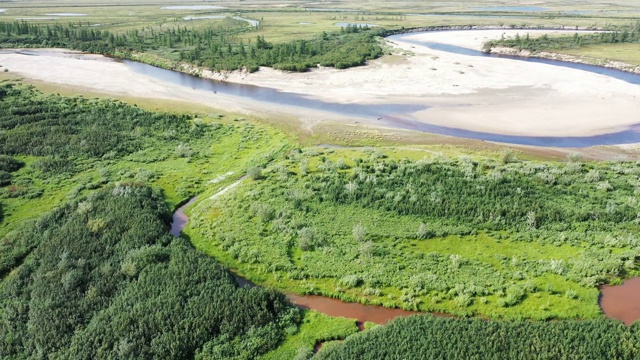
[(445, 88)]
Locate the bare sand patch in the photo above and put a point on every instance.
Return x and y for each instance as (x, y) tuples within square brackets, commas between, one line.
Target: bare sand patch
[(495, 95)]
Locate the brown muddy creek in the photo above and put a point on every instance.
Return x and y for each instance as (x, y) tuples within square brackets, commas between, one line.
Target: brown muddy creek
[(328, 306), (622, 302)]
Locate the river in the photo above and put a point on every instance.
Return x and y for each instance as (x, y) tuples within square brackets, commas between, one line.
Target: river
[(400, 115), (385, 106)]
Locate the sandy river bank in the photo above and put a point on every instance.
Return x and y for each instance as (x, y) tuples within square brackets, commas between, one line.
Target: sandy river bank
[(495, 95)]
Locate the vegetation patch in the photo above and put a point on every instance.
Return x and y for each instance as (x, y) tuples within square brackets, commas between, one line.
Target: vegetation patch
[(215, 48)]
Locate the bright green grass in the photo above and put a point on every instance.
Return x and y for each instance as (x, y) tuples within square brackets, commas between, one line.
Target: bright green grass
[(315, 327), (628, 53)]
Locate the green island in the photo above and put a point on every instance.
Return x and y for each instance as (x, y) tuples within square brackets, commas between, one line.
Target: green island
[(498, 250)]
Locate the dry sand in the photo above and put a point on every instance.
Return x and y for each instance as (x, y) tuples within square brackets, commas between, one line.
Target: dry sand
[(473, 93)]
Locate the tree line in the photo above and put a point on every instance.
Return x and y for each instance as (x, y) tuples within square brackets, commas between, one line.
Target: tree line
[(217, 48), (629, 34)]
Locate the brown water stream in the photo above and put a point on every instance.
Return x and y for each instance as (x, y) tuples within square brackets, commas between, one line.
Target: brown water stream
[(362, 313), (180, 219), (329, 306), (622, 302)]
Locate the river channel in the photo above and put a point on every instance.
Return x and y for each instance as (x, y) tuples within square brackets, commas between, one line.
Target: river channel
[(399, 115), (398, 112)]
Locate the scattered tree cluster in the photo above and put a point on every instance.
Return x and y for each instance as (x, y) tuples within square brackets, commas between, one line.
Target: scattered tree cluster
[(217, 48)]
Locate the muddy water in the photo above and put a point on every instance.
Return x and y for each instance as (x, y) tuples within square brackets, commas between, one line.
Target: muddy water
[(180, 219), (622, 302), (335, 307)]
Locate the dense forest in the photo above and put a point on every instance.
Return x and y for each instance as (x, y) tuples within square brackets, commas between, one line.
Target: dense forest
[(107, 281), (505, 239), (630, 34), (426, 337), (216, 48)]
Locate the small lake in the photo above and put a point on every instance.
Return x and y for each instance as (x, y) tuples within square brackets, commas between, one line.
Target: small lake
[(512, 8), (204, 17), (37, 18)]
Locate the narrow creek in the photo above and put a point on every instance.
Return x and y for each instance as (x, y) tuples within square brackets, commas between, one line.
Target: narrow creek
[(621, 302), (326, 305)]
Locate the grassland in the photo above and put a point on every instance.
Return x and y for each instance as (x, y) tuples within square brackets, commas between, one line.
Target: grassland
[(627, 53)]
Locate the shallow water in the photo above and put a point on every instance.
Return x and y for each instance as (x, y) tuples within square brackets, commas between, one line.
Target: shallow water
[(362, 313), (614, 73), (399, 115), (622, 302)]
